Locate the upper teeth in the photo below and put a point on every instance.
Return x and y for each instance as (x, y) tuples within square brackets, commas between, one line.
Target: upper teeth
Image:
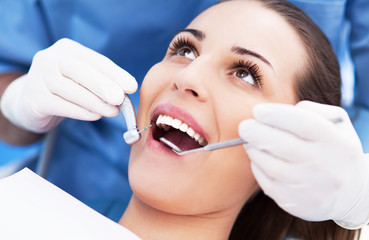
[(166, 122)]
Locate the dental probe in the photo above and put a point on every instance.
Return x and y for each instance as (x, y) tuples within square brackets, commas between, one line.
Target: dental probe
[(219, 145), (132, 135)]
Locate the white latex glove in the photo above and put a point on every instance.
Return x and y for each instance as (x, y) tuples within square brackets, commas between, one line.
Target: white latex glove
[(312, 168), (66, 80)]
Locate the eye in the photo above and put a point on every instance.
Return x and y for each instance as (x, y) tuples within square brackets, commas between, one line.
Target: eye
[(244, 75), (247, 72), (186, 52), (183, 46)]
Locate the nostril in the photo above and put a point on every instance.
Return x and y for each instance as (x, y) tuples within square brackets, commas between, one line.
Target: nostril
[(186, 88), (194, 93)]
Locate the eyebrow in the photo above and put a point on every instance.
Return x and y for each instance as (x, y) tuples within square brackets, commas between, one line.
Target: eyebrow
[(243, 51), (199, 35)]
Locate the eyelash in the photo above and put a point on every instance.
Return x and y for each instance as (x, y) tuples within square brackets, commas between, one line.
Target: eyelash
[(252, 68), (180, 43)]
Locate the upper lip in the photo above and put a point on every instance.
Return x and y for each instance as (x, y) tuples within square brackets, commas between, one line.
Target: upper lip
[(181, 114)]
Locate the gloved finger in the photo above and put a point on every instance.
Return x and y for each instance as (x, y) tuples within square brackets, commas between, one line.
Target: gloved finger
[(301, 122), (61, 107), (327, 111), (93, 80), (269, 186), (274, 168), (77, 94), (263, 180), (343, 126), (126, 81), (279, 143), (286, 196), (344, 132)]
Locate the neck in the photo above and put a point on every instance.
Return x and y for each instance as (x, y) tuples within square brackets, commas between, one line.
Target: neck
[(152, 224)]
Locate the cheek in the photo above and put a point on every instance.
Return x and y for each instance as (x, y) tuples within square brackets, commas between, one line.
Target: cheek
[(281, 89), (155, 81), (241, 182), (233, 111)]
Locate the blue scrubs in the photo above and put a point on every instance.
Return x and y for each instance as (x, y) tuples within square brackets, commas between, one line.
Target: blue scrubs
[(90, 159)]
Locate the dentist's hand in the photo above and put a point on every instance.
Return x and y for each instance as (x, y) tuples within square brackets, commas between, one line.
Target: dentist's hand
[(66, 80), (311, 167)]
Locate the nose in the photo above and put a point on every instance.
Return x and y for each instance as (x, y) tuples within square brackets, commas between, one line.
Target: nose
[(193, 80)]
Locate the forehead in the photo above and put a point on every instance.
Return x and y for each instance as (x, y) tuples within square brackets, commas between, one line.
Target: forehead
[(249, 24)]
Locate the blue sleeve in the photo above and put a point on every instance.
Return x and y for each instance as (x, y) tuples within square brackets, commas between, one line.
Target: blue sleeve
[(13, 158), (358, 15), (23, 33)]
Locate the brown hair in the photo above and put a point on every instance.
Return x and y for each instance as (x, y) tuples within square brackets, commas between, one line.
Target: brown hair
[(319, 81)]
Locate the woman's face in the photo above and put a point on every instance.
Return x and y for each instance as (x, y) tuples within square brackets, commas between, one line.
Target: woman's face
[(230, 58)]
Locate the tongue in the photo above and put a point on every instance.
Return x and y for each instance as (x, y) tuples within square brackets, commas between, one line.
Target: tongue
[(181, 140)]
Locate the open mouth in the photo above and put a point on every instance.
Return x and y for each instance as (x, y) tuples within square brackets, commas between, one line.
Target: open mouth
[(177, 132)]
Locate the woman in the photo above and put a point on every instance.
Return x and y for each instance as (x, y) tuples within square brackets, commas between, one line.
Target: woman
[(231, 57)]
